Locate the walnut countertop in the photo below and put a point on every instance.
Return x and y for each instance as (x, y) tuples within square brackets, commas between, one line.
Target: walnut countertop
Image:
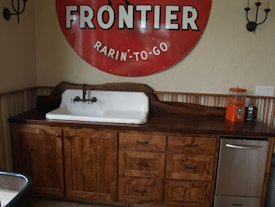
[(163, 117), (161, 122)]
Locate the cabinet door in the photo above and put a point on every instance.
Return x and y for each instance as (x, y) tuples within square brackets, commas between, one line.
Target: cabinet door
[(37, 152), (90, 164)]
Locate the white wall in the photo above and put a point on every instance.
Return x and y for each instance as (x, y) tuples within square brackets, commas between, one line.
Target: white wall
[(17, 49), (226, 56)]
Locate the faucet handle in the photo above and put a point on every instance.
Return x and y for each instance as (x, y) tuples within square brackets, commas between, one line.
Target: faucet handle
[(75, 99), (93, 100)]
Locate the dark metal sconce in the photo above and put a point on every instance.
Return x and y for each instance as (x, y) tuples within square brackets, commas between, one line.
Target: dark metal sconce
[(17, 10), (251, 26)]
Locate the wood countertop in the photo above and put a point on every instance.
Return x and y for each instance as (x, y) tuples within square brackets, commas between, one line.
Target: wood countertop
[(163, 117), (161, 122)]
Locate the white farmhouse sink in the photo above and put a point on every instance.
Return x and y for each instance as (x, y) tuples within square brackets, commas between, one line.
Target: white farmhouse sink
[(110, 107)]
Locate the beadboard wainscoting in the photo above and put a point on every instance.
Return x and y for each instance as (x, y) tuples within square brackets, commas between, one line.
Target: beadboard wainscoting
[(20, 101), (265, 105), (12, 104)]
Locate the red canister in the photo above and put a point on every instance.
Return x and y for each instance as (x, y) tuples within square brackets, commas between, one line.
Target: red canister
[(235, 111)]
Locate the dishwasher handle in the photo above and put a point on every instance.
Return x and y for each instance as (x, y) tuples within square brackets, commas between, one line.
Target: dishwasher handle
[(243, 146)]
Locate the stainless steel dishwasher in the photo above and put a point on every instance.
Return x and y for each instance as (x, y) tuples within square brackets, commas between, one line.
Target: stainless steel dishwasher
[(241, 171)]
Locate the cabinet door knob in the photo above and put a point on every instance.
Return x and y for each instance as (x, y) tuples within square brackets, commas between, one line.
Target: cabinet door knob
[(40, 131), (66, 136)]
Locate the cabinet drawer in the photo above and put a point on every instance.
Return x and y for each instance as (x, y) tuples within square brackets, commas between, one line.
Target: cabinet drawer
[(229, 201), (142, 142), (37, 130), (141, 164), (139, 190), (88, 132), (188, 193), (192, 145), (190, 167)]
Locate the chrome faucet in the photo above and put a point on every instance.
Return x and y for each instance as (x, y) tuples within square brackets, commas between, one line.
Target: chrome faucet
[(84, 99)]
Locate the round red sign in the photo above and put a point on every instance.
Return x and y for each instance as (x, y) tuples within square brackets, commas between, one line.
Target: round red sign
[(133, 37)]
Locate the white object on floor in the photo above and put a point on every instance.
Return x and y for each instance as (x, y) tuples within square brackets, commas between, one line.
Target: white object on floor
[(6, 196)]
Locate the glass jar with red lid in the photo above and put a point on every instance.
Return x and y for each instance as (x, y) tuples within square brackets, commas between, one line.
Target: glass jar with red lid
[(235, 110)]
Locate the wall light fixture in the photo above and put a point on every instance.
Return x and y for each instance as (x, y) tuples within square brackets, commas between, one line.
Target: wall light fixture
[(251, 26), (18, 9)]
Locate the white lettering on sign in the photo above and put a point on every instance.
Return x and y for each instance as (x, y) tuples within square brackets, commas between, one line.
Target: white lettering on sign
[(86, 20), (124, 56), (70, 18), (110, 52), (100, 14), (174, 16), (126, 17)]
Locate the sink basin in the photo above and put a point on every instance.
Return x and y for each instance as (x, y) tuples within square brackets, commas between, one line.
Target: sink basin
[(111, 107)]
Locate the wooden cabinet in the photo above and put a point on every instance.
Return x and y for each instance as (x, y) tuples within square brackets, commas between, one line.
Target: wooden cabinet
[(158, 163), (90, 161), (166, 170), (37, 152), (107, 166), (141, 167), (90, 164), (190, 171)]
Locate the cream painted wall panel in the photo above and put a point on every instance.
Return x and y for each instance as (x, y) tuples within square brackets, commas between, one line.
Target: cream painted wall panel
[(227, 55), (17, 50)]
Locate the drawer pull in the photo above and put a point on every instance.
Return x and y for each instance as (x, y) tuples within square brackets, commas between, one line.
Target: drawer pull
[(192, 145), (243, 146), (135, 189), (190, 167), (143, 164), (142, 142)]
